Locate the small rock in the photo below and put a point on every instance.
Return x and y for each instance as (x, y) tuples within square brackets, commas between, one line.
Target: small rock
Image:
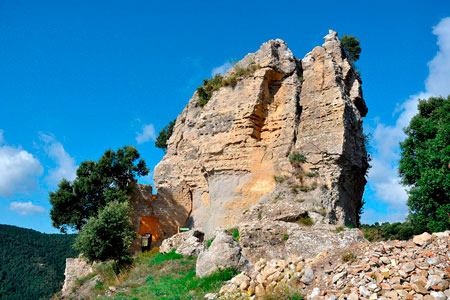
[(438, 295), (308, 277)]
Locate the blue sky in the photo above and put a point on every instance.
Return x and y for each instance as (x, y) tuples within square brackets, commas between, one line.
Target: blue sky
[(79, 77)]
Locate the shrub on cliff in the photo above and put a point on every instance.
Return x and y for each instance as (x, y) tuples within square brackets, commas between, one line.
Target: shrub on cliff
[(97, 183), (108, 235), (164, 136), (425, 164), (351, 47)]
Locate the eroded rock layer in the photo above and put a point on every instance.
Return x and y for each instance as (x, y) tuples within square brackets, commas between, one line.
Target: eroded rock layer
[(285, 139)]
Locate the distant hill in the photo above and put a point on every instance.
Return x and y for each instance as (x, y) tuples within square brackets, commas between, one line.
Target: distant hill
[(32, 263)]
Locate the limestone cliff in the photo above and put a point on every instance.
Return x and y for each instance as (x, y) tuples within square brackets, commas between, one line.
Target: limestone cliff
[(282, 142)]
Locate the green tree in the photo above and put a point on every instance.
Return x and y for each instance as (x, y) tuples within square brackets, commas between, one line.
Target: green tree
[(108, 235), (351, 47), (96, 184), (424, 164), (164, 136)]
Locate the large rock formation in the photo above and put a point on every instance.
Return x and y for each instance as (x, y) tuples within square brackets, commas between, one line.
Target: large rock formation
[(229, 160)]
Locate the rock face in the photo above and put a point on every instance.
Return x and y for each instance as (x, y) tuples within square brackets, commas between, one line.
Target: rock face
[(224, 252), (233, 154)]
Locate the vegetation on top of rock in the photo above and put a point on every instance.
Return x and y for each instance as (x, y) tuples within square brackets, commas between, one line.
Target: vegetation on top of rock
[(112, 177), (32, 263), (425, 164), (351, 47), (208, 88), (211, 85), (235, 233), (164, 136), (108, 235)]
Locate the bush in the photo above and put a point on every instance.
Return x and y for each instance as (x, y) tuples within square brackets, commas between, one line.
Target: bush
[(351, 47), (109, 235), (164, 136), (305, 220), (209, 86)]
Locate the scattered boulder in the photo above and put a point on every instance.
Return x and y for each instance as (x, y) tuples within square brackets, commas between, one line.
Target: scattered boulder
[(224, 252), (422, 239), (188, 243)]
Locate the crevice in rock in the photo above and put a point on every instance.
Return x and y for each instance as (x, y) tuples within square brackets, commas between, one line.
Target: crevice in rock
[(270, 87)]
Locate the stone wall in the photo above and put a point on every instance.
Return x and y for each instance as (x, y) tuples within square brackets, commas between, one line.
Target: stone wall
[(171, 214)]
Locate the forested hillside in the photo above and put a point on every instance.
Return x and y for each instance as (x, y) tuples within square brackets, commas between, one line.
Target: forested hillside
[(32, 263)]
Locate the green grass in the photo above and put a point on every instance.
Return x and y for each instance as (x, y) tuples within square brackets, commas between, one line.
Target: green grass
[(349, 257), (166, 276), (160, 257)]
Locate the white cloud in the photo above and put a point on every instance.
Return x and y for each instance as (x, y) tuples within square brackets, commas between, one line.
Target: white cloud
[(221, 69), (26, 208), (147, 134), (65, 164), (383, 177), (19, 170)]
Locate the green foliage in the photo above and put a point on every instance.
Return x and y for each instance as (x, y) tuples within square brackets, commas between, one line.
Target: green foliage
[(235, 233), (339, 229), (164, 136), (209, 242), (305, 220), (394, 231), (425, 165), (285, 237), (97, 183), (296, 159), (351, 47), (209, 86), (32, 263), (109, 235), (260, 215), (279, 179), (348, 257)]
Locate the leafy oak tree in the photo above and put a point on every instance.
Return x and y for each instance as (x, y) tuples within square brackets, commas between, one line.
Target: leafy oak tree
[(164, 136), (425, 164), (97, 184), (108, 235), (351, 47)]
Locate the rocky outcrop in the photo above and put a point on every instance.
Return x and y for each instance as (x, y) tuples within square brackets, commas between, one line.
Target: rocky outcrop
[(381, 270), (224, 252), (186, 243), (281, 240), (290, 133), (76, 268)]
